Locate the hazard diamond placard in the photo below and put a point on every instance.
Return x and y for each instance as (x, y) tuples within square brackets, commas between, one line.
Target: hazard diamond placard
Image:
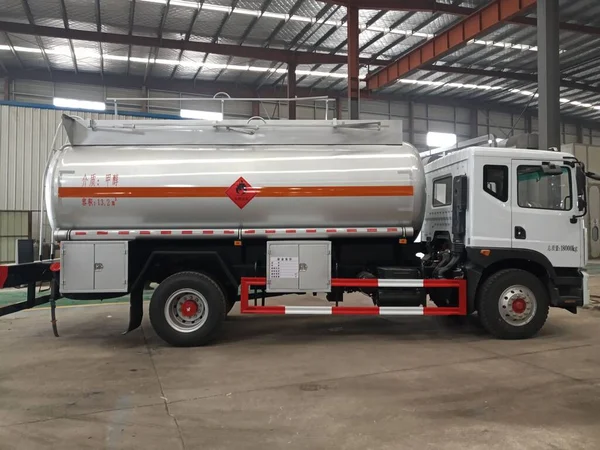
[(241, 192)]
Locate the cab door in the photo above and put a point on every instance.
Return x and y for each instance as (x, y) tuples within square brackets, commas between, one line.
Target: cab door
[(542, 207)]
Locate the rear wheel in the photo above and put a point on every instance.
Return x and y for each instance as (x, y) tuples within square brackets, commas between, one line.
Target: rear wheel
[(187, 309), (513, 304)]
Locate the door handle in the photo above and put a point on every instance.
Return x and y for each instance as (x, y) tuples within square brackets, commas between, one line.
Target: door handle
[(520, 233)]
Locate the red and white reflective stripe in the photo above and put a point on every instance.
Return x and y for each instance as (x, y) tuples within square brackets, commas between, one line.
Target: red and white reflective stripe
[(352, 310), (392, 283), (296, 233), (132, 234), (459, 284), (326, 232), (341, 310), (400, 283)]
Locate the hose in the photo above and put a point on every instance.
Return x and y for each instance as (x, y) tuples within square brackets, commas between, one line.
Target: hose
[(442, 271), (441, 264)]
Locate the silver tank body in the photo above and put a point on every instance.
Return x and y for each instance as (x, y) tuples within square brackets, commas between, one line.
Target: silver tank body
[(215, 166)]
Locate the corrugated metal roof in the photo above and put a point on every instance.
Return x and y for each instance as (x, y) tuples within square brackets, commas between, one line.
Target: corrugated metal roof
[(303, 25)]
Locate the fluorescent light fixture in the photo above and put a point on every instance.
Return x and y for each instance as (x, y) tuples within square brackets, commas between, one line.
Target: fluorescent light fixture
[(71, 103), (202, 115), (437, 140)]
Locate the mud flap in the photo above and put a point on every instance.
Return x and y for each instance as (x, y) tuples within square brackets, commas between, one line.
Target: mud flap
[(136, 309)]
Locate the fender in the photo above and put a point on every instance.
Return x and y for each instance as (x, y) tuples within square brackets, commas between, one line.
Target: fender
[(136, 298), (477, 263)]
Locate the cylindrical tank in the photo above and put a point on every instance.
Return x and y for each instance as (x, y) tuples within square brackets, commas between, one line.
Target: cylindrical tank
[(187, 186)]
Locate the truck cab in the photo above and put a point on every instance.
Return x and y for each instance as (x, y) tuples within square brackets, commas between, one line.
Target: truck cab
[(523, 224)]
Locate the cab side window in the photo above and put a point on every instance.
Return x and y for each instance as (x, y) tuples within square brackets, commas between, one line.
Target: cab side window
[(442, 192), (495, 181), (541, 190)]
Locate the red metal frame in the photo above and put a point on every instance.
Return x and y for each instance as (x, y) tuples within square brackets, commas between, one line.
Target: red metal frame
[(460, 310)]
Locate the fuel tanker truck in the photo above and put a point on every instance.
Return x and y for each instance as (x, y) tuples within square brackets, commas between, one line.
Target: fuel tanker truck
[(234, 211)]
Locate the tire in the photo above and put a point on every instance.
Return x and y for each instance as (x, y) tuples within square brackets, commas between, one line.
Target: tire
[(521, 297), (187, 309)]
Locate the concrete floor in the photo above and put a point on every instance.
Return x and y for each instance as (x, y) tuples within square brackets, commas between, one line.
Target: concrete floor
[(297, 383)]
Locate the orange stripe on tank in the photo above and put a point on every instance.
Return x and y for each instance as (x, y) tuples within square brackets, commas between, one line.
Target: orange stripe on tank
[(218, 192)]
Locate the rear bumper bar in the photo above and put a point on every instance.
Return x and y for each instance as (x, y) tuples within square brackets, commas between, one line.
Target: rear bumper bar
[(29, 274)]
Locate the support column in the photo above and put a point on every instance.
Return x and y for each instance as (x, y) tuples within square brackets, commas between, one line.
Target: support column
[(338, 108), (411, 123), (579, 131), (6, 89), (548, 73), (255, 108), (473, 124), (145, 103), (353, 66), (291, 93), (528, 123)]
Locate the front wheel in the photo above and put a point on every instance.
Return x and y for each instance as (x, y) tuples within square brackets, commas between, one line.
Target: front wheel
[(513, 304), (187, 309)]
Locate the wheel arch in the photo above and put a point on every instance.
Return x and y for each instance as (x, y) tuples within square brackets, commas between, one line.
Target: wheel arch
[(480, 267), (168, 262)]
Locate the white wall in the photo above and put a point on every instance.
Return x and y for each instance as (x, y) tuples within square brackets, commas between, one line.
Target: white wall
[(26, 136)]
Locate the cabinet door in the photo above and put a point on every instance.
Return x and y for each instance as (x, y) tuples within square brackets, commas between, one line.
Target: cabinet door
[(77, 267), (110, 267), (282, 270), (314, 267)]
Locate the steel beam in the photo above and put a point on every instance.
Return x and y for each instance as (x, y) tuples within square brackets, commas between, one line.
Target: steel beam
[(99, 30), (217, 35), (131, 22), (163, 21), (300, 39), (510, 75), (265, 5), (548, 74), (268, 54), (353, 63), (566, 26), (291, 89), (403, 5), (12, 50), (434, 6), (281, 24), (63, 13), (370, 22), (187, 36), (39, 42), (457, 35)]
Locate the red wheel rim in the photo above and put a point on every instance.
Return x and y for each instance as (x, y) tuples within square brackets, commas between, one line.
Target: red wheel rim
[(189, 308), (519, 306)]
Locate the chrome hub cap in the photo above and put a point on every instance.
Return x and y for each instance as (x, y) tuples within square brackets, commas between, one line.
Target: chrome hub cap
[(186, 310), (517, 305)]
